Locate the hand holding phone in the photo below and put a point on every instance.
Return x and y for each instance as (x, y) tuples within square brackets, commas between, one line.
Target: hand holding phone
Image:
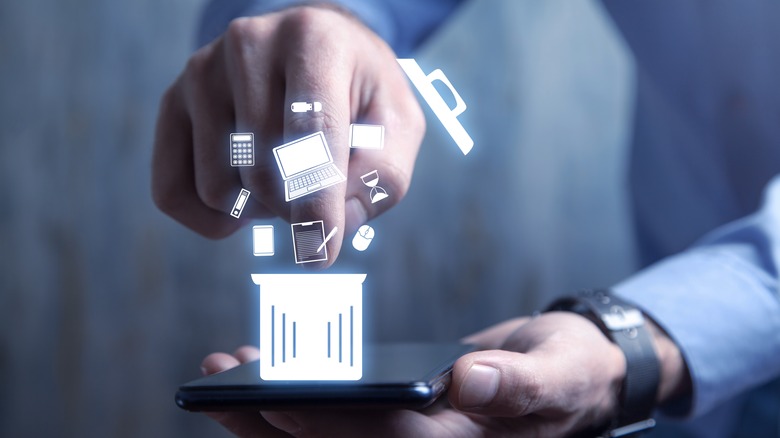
[(552, 375)]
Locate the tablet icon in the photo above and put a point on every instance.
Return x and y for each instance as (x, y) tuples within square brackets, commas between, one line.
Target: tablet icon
[(363, 238), (448, 117), (366, 136), (371, 179), (263, 240)]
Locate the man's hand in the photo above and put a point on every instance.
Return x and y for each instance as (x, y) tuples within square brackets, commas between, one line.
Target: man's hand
[(245, 81), (547, 376)]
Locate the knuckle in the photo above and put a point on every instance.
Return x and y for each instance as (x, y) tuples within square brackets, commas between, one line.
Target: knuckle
[(242, 30), (302, 20), (306, 123), (416, 120), (398, 178), (246, 43), (196, 70), (312, 27), (265, 189), (243, 44)]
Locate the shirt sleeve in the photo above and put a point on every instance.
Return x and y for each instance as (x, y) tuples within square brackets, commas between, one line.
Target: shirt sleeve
[(403, 24), (719, 302)]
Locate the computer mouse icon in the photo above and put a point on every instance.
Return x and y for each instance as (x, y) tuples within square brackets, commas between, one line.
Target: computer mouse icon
[(363, 238)]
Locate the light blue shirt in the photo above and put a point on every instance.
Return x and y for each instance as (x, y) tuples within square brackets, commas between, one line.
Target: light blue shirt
[(706, 207)]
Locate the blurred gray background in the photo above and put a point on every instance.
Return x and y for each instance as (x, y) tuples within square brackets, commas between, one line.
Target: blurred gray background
[(106, 305)]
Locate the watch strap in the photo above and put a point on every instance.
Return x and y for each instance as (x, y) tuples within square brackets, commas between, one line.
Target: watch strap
[(624, 325)]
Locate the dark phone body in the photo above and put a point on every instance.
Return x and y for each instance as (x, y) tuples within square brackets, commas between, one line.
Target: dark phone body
[(395, 376)]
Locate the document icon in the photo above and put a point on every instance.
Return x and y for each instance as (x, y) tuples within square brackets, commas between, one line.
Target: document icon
[(311, 326), (448, 117), (308, 240)]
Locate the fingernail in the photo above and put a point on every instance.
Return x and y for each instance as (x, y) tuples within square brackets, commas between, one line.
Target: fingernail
[(204, 371), (354, 213), (282, 421), (479, 387)]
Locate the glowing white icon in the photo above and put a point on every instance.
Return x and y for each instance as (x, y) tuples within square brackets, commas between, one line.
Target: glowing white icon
[(263, 240), (371, 179), (311, 326), (366, 136), (327, 238), (309, 242), (238, 207), (242, 149), (363, 238), (448, 117), (303, 107), (306, 166)]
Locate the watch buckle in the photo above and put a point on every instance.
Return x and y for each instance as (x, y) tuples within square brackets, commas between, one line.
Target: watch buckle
[(621, 319)]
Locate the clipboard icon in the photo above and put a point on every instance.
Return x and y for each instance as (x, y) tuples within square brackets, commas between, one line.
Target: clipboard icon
[(308, 239), (448, 117)]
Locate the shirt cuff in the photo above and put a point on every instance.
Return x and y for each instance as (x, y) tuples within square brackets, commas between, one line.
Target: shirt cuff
[(723, 312)]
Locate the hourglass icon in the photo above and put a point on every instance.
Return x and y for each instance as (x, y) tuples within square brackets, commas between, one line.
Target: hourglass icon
[(371, 179)]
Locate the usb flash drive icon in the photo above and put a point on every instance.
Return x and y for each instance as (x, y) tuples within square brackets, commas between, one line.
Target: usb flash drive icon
[(303, 107), (238, 207)]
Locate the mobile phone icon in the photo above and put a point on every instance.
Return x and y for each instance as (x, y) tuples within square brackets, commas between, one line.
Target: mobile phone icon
[(263, 240)]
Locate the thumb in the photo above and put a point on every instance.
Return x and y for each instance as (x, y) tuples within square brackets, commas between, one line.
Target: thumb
[(498, 383)]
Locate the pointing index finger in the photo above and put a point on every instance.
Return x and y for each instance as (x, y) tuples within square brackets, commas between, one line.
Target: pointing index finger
[(314, 160)]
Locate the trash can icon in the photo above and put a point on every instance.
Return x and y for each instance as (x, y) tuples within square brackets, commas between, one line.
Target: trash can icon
[(311, 326)]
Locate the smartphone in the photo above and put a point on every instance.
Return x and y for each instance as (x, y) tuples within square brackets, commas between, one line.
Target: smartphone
[(395, 376)]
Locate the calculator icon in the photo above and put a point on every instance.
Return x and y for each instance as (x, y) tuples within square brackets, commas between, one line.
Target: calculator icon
[(242, 149)]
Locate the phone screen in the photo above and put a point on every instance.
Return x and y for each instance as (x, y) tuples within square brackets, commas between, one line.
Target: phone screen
[(408, 375)]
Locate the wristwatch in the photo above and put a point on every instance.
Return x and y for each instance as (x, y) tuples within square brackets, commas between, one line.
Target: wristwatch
[(624, 325)]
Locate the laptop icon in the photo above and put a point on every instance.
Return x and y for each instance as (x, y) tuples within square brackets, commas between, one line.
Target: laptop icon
[(306, 166)]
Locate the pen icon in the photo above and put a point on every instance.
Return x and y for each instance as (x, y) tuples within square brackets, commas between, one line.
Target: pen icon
[(330, 235)]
